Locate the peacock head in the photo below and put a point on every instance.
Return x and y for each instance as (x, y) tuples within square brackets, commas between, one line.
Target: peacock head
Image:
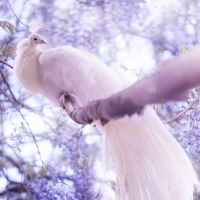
[(36, 39)]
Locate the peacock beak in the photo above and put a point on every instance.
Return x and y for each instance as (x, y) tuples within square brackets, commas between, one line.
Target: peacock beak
[(43, 42)]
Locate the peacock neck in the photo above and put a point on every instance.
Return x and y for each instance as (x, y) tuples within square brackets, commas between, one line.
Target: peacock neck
[(27, 63)]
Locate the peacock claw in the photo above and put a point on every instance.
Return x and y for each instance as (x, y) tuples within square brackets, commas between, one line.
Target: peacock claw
[(69, 102), (61, 100)]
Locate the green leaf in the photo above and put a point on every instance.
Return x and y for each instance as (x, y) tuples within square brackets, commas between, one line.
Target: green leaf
[(184, 48), (7, 51), (7, 26)]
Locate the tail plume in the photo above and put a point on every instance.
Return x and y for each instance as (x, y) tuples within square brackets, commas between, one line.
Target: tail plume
[(150, 163)]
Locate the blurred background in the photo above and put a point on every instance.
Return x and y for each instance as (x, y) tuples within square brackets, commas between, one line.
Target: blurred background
[(43, 154)]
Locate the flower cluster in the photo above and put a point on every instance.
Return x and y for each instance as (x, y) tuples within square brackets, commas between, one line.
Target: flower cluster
[(43, 189)]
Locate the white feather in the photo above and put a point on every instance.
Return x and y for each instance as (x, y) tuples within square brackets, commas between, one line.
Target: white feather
[(26, 65), (150, 164), (34, 26)]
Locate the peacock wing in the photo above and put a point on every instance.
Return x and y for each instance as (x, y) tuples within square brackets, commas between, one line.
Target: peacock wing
[(78, 72)]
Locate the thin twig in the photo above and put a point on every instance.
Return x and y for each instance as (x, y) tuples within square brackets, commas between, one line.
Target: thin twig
[(184, 111), (9, 99), (5, 63), (192, 122), (16, 15), (8, 86)]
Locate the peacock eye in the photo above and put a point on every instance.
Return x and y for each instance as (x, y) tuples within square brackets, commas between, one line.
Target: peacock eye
[(35, 38)]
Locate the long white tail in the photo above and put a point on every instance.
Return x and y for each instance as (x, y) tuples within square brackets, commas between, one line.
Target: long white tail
[(150, 163)]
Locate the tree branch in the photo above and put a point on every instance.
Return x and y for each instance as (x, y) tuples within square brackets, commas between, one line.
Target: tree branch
[(8, 86), (5, 63), (16, 15), (10, 159), (10, 100), (184, 111)]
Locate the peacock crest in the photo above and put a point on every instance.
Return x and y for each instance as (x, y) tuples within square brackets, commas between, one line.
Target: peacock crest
[(34, 26)]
